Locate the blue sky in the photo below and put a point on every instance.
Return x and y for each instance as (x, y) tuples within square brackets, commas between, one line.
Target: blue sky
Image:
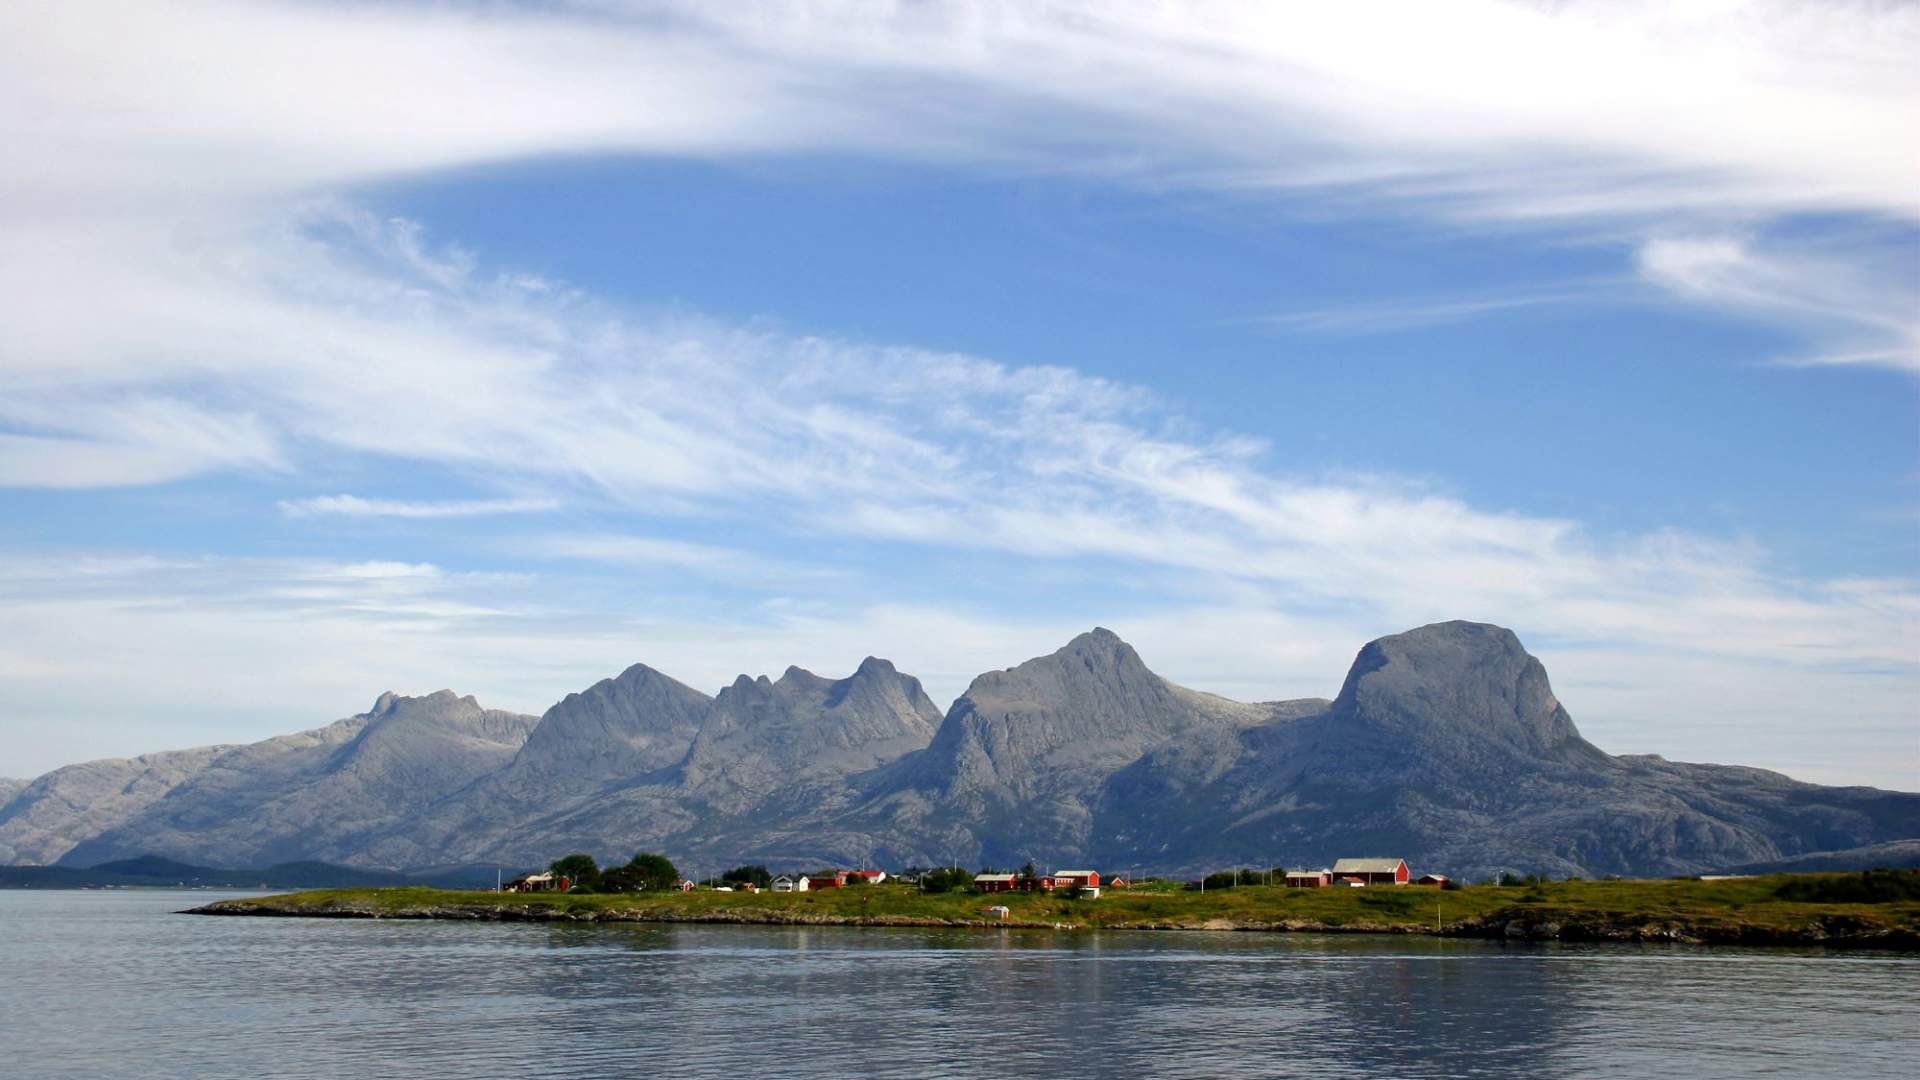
[(562, 337)]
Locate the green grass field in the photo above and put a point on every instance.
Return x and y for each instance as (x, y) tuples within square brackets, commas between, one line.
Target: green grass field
[(1736, 910)]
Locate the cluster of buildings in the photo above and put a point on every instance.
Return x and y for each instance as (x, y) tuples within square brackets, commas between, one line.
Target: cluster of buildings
[(1351, 873), (828, 879), (1088, 881)]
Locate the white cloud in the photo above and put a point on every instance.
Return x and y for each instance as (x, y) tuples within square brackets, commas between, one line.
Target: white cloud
[(1867, 309), (355, 506), (182, 295), (135, 130)]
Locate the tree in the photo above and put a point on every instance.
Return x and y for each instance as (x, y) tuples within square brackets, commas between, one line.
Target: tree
[(754, 874), (653, 872), (578, 868), (1027, 872), (947, 879)]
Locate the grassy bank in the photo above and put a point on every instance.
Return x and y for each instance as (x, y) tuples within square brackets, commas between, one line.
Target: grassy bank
[(1747, 911)]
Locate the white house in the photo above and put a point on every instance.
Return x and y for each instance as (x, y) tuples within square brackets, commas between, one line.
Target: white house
[(783, 883)]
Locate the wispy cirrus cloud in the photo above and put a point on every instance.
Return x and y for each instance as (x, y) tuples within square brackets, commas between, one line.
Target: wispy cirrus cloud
[(1866, 310), (356, 506), (1394, 316)]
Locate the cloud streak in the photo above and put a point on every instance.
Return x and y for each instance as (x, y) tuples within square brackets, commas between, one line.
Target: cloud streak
[(356, 506)]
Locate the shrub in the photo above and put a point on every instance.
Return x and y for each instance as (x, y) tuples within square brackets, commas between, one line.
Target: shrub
[(1866, 887)]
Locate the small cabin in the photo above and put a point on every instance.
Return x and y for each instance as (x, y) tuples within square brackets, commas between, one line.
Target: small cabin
[(870, 877), (1309, 879), (1436, 880), (545, 881)]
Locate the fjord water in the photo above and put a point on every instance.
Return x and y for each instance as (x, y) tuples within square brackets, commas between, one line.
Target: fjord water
[(115, 984)]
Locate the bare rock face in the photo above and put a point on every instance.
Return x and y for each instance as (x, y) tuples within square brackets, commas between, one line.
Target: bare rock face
[(1018, 762), (1460, 681), (761, 736), (615, 730), (321, 795), (48, 816)]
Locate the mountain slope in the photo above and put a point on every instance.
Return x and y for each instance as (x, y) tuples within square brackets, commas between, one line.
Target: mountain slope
[(48, 816), (323, 794), (1011, 771), (1447, 746), (770, 763)]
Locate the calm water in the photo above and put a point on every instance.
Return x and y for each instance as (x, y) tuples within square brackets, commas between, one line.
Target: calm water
[(97, 984)]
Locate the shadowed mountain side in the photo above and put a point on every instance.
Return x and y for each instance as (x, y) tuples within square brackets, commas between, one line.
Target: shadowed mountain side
[(618, 733), (1446, 745), (322, 795), (1016, 764), (764, 754)]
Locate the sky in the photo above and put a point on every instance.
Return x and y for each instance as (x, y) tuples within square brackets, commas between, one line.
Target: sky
[(365, 346)]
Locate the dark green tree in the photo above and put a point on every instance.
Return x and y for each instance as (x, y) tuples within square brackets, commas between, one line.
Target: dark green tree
[(948, 879), (578, 868), (754, 874), (653, 872)]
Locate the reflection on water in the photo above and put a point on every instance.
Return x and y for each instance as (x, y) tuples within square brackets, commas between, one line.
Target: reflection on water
[(111, 983)]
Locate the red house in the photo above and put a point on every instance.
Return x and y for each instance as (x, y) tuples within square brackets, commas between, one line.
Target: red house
[(994, 882), (1067, 879), (1308, 879), (1373, 871), (871, 877)]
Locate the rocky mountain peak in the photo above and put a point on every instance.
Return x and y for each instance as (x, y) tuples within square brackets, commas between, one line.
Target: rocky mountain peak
[(1088, 706), (759, 733), (1459, 681), (619, 728), (440, 705)]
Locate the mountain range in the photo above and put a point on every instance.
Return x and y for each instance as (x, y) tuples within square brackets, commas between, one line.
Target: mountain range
[(1445, 745)]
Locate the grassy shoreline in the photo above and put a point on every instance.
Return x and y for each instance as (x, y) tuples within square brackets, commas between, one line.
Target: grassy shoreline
[(1744, 911)]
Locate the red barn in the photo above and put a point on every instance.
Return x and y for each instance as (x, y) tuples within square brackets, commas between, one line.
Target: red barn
[(1373, 871), (1067, 879)]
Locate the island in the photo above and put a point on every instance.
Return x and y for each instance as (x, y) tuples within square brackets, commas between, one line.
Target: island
[(1878, 909)]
